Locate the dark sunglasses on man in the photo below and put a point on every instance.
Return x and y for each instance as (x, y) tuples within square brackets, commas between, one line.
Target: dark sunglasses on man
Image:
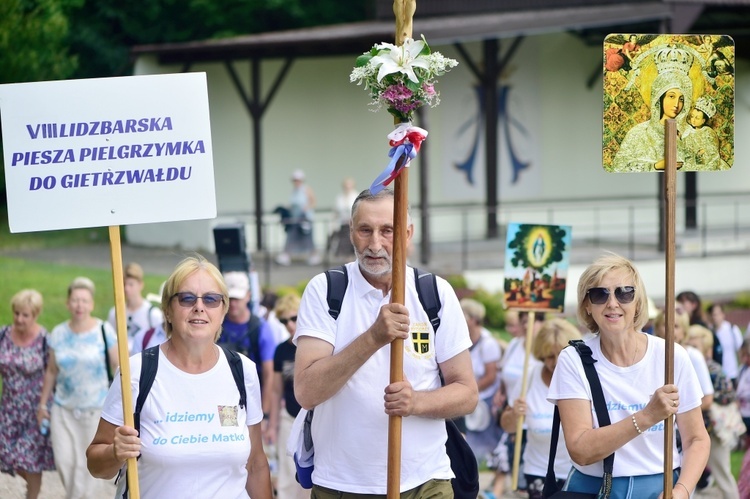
[(285, 320)]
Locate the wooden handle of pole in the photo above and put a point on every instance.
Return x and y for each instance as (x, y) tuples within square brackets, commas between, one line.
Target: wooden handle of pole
[(404, 12), (524, 386), (122, 349), (670, 169)]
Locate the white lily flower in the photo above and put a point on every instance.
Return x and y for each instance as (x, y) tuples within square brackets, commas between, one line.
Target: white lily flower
[(394, 59)]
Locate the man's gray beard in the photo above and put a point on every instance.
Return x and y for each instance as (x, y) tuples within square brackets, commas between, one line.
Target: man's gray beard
[(363, 266)]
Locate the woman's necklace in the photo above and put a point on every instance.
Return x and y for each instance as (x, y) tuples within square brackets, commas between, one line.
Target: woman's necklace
[(635, 354), (611, 358)]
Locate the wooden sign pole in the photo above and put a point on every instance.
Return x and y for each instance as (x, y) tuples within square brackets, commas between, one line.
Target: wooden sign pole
[(123, 354), (404, 12), (531, 319), (670, 169)]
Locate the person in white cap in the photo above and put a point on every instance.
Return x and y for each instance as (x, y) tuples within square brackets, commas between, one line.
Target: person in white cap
[(247, 333), (298, 223)]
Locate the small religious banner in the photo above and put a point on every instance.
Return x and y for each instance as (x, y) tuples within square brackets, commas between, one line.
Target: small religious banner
[(536, 266), (649, 79)]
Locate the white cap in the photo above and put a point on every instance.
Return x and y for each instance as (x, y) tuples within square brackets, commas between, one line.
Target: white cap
[(238, 284), (298, 175)]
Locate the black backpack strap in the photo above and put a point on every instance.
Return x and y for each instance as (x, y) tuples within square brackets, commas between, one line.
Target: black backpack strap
[(149, 366), (602, 415), (107, 365), (253, 333), (427, 291), (338, 280), (600, 406), (238, 373)]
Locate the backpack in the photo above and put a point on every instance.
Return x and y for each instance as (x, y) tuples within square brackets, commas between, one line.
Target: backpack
[(253, 352), (149, 366), (463, 462)]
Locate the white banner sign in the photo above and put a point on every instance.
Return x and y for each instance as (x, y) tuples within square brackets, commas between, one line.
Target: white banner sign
[(107, 151)]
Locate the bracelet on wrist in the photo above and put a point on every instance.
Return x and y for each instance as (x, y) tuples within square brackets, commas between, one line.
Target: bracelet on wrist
[(635, 424), (684, 487)]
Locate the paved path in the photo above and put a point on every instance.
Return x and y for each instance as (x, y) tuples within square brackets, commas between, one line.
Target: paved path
[(15, 488)]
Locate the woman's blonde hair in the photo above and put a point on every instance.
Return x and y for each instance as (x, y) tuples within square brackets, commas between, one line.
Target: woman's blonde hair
[(704, 335), (82, 283), (473, 309), (182, 271), (593, 276), (286, 303), (28, 298), (680, 319), (555, 333)]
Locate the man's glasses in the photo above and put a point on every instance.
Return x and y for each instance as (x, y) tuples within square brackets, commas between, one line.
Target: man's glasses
[(285, 321), (599, 296), (210, 300)]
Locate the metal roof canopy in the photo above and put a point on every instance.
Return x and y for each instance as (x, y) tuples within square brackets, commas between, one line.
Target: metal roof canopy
[(355, 38)]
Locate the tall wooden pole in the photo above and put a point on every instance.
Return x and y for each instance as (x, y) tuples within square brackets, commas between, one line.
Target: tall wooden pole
[(404, 12), (123, 354), (670, 169), (530, 323)]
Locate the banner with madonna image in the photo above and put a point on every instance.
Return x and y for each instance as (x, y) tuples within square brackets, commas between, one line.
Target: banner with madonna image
[(537, 258), (649, 79)]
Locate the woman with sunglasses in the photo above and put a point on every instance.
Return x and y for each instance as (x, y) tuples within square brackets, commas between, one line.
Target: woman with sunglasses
[(195, 439), (612, 304), (284, 405)]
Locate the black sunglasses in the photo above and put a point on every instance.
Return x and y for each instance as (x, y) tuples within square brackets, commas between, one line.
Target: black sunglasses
[(210, 300), (285, 320), (599, 296)]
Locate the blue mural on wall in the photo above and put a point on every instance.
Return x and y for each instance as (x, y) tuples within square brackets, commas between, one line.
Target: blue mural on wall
[(506, 121)]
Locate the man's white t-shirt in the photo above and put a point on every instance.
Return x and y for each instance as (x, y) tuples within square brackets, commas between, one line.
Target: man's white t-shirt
[(194, 436), (627, 390), (539, 414), (350, 430), (145, 317)]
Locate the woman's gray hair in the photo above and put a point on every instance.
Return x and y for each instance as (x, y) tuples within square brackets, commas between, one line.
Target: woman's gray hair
[(593, 276)]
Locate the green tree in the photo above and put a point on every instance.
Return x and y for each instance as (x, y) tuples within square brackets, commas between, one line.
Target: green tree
[(34, 40), (34, 46), (105, 30)]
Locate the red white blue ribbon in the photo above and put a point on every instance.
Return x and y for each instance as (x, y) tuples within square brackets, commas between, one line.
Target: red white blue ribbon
[(405, 142)]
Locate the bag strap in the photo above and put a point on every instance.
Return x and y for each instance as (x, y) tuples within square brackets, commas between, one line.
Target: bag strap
[(238, 373), (147, 337), (149, 366), (338, 280), (427, 291), (107, 365), (602, 416)]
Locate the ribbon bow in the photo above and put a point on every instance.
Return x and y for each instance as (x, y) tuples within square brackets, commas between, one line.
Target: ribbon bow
[(405, 142)]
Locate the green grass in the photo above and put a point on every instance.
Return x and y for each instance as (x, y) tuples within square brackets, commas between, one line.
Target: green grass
[(52, 281), (48, 239)]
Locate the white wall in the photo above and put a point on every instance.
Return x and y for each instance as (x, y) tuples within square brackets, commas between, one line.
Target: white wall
[(320, 122)]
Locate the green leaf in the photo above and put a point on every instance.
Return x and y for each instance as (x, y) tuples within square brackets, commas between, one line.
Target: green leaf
[(414, 87), (362, 60)]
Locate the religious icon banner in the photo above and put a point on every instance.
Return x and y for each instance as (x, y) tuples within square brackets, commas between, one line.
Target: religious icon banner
[(536, 266), (649, 79)]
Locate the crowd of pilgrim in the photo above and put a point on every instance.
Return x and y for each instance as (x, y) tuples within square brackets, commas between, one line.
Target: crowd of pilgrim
[(60, 409)]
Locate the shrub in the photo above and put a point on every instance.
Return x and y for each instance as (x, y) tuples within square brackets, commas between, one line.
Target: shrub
[(493, 304)]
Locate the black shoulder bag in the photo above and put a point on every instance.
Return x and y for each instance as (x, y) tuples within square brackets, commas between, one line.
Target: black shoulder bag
[(550, 483)]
